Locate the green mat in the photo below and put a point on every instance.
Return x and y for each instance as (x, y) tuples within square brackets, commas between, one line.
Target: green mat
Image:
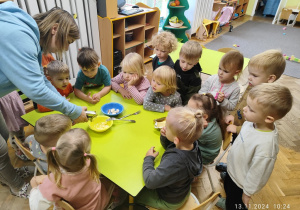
[(209, 60)]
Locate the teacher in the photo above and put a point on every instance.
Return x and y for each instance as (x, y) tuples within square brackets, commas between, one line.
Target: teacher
[(22, 42)]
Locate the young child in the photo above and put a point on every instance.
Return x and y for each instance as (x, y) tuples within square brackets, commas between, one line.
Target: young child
[(252, 156), (210, 141), (188, 70), (74, 175), (169, 185), (223, 85), (164, 43), (58, 74), (162, 96), (91, 74), (47, 131), (266, 67), (132, 77)]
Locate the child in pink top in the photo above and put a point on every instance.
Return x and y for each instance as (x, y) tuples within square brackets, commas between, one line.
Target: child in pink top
[(74, 176), (132, 77)]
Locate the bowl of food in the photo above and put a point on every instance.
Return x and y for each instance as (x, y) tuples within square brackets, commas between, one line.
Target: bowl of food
[(160, 123), (112, 109), (176, 25), (99, 123)]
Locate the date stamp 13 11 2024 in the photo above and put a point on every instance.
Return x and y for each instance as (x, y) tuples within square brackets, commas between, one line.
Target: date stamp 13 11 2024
[(265, 206)]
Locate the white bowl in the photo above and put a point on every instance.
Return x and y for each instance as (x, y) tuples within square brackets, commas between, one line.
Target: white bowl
[(176, 25)]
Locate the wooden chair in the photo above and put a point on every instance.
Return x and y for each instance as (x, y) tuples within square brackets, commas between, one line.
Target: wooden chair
[(64, 205), (226, 145), (28, 154), (225, 49), (285, 14)]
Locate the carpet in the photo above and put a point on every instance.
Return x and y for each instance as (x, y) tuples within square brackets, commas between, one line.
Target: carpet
[(255, 37)]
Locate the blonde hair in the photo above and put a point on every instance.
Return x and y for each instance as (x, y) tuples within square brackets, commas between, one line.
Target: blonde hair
[(233, 61), (191, 50), (166, 40), (270, 61), (48, 129), (87, 58), (134, 63), (67, 28), (167, 76), (56, 68), (274, 99), (70, 154), (187, 124)]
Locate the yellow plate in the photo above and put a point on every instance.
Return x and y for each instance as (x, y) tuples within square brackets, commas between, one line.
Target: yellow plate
[(99, 123)]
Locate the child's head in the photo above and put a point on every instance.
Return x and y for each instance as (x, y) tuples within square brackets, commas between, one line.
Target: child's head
[(189, 55), (266, 67), (88, 61), (164, 80), (268, 102), (231, 64), (132, 64), (48, 129), (164, 43), (184, 125), (71, 153), (58, 74)]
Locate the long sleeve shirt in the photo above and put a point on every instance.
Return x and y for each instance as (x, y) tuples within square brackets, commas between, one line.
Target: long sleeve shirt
[(137, 92)]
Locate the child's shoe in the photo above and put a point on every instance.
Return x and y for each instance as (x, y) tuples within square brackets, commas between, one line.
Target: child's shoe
[(25, 171), (221, 203), (119, 197), (20, 155), (23, 192)]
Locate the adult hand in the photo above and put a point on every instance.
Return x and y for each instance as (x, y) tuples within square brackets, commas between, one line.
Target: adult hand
[(231, 129), (124, 93), (133, 81), (82, 117), (163, 131), (229, 119), (246, 199), (221, 97), (152, 152), (167, 108)]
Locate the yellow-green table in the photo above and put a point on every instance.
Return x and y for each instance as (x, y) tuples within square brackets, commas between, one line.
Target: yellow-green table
[(121, 149)]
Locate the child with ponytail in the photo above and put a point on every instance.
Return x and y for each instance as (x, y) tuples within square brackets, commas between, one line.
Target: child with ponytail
[(74, 175)]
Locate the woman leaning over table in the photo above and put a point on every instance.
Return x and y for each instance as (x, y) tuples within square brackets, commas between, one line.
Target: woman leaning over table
[(22, 42)]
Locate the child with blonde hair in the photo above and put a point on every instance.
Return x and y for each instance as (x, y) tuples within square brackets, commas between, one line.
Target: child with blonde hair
[(162, 95), (74, 175), (210, 141), (58, 74), (252, 156), (91, 74), (132, 77), (164, 43), (188, 70), (168, 186), (223, 85), (47, 131)]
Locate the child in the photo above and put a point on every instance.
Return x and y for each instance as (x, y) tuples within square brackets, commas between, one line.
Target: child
[(188, 70), (223, 85), (252, 156), (74, 175), (210, 141), (168, 186), (91, 74), (47, 131), (162, 96), (58, 74), (132, 76), (164, 43)]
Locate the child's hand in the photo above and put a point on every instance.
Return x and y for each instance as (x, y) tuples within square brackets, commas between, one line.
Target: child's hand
[(125, 93), (90, 99), (246, 199), (231, 129), (163, 131), (96, 97), (229, 119), (221, 97), (133, 81), (167, 108), (152, 152)]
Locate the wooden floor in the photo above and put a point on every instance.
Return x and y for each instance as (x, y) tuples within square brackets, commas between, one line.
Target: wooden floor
[(282, 190)]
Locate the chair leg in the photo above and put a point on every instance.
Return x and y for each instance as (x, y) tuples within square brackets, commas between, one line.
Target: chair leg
[(210, 180), (131, 200), (35, 171)]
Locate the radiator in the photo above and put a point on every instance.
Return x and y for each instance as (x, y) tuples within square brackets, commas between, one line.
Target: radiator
[(198, 10), (85, 14)]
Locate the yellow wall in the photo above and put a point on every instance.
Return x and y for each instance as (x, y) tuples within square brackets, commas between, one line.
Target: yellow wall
[(250, 7), (292, 3)]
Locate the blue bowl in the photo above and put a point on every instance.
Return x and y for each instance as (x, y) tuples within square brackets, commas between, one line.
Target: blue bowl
[(106, 107)]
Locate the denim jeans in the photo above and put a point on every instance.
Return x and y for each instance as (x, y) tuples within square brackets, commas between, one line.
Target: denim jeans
[(8, 175)]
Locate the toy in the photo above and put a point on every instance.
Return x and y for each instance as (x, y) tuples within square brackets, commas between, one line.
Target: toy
[(284, 28), (177, 2), (284, 33), (235, 45), (291, 58)]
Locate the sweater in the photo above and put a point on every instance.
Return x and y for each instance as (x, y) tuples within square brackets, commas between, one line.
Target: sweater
[(252, 157), (168, 62), (21, 61)]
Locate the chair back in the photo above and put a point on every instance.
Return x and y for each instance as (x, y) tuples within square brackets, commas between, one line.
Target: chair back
[(227, 139), (209, 203), (26, 152), (225, 49), (64, 205)]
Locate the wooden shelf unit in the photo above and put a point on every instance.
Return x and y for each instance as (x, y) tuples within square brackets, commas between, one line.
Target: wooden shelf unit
[(241, 8), (112, 31)]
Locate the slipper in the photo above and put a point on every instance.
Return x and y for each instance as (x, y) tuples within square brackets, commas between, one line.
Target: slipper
[(221, 167)]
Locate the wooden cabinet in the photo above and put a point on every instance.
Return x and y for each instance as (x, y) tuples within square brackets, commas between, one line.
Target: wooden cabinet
[(241, 8), (141, 26)]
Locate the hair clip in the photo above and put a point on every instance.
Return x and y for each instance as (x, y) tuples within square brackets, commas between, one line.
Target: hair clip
[(85, 155), (53, 148)]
